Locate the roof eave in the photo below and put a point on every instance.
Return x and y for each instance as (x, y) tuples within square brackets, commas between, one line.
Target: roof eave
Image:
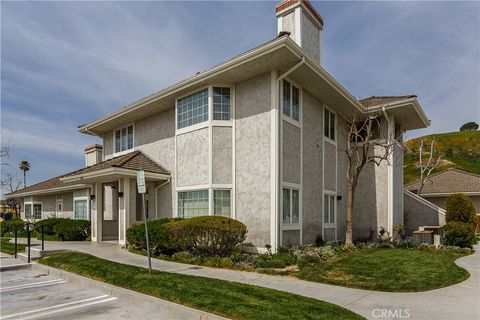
[(402, 103), (46, 191), (111, 171)]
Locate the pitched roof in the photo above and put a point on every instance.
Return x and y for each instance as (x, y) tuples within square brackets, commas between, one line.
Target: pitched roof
[(132, 160), (375, 101), (449, 181)]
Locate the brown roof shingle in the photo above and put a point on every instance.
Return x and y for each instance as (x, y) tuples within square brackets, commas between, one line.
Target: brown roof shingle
[(449, 181), (132, 160), (375, 101)]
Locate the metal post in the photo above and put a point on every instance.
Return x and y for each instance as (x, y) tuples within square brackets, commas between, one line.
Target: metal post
[(43, 245), (28, 241), (146, 234), (16, 230)]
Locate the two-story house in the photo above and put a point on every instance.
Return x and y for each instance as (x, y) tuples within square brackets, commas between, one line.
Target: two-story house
[(255, 138)]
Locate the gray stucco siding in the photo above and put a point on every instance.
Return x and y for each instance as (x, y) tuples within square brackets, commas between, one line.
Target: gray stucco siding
[(291, 153), (312, 193), (253, 158), (222, 155), (192, 158), (310, 37), (107, 145), (330, 166), (417, 214)]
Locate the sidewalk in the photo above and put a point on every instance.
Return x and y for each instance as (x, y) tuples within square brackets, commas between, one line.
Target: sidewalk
[(458, 302)]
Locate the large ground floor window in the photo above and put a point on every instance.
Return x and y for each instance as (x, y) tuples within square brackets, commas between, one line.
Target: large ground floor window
[(33, 211), (197, 203), (81, 209), (291, 206), (221, 203)]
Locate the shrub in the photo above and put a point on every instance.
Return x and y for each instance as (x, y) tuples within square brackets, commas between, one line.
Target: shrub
[(72, 230), (159, 236), (459, 234), (277, 260), (319, 242), (207, 235), (49, 223), (460, 208), (10, 225)]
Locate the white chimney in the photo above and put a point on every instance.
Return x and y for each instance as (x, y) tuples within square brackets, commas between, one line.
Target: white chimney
[(93, 154), (304, 23)]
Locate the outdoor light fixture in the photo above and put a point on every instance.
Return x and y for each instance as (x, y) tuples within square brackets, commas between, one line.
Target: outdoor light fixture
[(339, 198), (92, 197), (120, 194)]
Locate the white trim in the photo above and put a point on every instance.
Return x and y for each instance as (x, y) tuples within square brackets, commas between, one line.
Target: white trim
[(424, 201), (292, 225), (82, 198), (114, 170), (194, 127), (120, 153), (274, 158), (279, 24), (446, 194), (59, 213), (298, 25), (328, 139), (333, 224), (48, 191), (33, 202), (233, 118)]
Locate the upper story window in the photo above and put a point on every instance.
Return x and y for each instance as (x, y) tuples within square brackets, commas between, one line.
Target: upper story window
[(329, 124), (192, 109), (291, 100), (124, 139), (221, 103)]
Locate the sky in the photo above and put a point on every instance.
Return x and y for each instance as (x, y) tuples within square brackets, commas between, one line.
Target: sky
[(67, 63)]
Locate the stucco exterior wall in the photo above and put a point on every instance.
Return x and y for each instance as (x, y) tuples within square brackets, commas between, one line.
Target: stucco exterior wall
[(291, 153), (312, 193), (342, 188), (253, 158), (418, 214), (330, 165), (107, 145), (441, 201), (310, 37), (48, 206), (192, 158), (222, 155), (288, 23), (397, 185), (155, 137), (68, 205)]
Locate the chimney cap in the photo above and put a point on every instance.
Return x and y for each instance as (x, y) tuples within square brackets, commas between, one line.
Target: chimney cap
[(284, 33), (287, 4), (93, 147)]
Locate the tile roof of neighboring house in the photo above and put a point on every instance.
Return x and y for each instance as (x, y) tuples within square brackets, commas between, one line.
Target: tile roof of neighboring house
[(132, 160), (375, 101), (449, 181)]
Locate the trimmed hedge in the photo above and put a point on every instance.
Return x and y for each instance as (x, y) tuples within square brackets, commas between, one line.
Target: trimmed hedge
[(72, 230), (62, 229), (459, 234), (460, 208), (206, 235)]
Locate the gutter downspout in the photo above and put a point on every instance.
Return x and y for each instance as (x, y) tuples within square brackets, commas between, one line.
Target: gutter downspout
[(276, 147), (156, 195), (389, 175)]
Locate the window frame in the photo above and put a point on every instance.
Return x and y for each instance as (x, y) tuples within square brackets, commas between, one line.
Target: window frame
[(187, 191), (289, 117), (290, 191), (115, 153), (330, 225), (328, 137), (230, 202), (83, 198), (32, 212)]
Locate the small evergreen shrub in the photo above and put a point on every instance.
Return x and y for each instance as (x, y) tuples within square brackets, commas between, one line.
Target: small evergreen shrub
[(71, 230), (159, 236), (49, 223), (319, 242), (276, 260), (460, 208), (8, 226), (459, 234)]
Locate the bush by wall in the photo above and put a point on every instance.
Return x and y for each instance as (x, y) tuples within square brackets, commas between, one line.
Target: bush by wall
[(158, 235), (10, 225), (460, 208), (459, 234), (72, 230), (208, 235)]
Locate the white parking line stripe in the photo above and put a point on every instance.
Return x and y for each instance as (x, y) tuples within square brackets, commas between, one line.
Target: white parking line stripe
[(69, 308), (33, 286), (30, 284), (53, 307)]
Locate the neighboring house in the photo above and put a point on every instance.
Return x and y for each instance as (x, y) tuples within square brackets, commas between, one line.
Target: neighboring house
[(443, 184), (256, 138)]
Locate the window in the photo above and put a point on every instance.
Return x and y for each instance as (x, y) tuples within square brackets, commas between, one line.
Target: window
[(59, 206), (291, 100), (124, 139), (193, 203), (221, 103), (37, 211), (192, 109), (221, 203), (28, 211), (329, 124), (328, 209), (81, 209), (291, 209)]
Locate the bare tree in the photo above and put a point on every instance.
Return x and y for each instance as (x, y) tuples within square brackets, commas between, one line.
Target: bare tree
[(11, 182), (363, 148), (427, 166)]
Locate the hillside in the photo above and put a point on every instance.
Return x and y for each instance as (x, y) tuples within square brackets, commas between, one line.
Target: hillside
[(462, 151)]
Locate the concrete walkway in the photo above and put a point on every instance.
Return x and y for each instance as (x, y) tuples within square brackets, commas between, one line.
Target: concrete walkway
[(460, 301)]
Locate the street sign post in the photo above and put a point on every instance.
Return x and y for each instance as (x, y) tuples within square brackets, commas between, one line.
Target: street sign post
[(142, 188)]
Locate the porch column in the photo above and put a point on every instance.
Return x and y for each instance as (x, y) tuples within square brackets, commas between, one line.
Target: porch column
[(123, 212), (96, 212)]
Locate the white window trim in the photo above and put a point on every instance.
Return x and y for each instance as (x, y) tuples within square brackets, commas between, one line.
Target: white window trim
[(88, 206), (213, 201), (59, 212), (33, 215), (334, 223), (210, 190), (328, 139), (296, 225), (300, 94), (116, 154)]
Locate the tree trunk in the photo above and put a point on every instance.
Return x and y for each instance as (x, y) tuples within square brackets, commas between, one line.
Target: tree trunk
[(24, 179), (349, 229)]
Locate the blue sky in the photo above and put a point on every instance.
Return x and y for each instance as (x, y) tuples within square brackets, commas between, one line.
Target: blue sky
[(66, 63)]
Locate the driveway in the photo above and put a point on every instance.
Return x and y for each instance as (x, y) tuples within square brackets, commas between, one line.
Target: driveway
[(459, 302)]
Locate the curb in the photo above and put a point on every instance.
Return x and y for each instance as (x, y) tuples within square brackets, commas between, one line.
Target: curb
[(18, 266), (165, 309)]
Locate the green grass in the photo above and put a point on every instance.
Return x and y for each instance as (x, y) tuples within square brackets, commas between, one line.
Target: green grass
[(229, 299), (388, 270), (9, 248), (462, 151)]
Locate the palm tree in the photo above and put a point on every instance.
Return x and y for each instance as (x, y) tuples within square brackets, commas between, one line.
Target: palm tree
[(24, 166)]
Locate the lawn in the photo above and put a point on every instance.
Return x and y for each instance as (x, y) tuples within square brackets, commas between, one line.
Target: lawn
[(388, 270), (229, 299), (9, 248)]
